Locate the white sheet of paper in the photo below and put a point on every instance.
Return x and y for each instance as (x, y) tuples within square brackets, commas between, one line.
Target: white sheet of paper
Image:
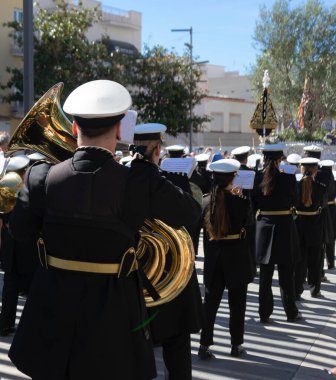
[(298, 176), (289, 169), (244, 179), (127, 127), (179, 165)]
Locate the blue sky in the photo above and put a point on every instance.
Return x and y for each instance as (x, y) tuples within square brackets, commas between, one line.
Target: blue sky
[(222, 29)]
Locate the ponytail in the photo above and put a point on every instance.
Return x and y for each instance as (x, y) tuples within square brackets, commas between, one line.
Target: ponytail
[(217, 218), (307, 186), (269, 179)]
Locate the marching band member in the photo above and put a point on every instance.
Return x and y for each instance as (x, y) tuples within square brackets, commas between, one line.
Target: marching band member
[(274, 196), (327, 165), (19, 261), (293, 159), (227, 261), (177, 319), (311, 201), (86, 298)]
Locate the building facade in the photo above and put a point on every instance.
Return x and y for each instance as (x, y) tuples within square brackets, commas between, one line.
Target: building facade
[(122, 27), (229, 104), (10, 56)]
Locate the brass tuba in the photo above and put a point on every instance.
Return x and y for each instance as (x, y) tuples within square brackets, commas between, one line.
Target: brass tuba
[(166, 254)]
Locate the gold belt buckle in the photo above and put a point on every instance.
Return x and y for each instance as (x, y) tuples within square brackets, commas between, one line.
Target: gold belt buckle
[(134, 265)]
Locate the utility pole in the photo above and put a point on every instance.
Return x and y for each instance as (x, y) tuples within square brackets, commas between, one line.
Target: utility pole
[(190, 46), (28, 56)]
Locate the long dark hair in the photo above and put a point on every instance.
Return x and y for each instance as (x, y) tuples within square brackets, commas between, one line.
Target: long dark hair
[(217, 218), (269, 178), (307, 185)]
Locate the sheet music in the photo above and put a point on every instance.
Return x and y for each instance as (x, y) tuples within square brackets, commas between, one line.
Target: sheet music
[(289, 169), (179, 165), (128, 123), (244, 179), (298, 176)]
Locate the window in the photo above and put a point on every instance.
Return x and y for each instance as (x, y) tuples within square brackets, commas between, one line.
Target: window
[(217, 122), (235, 122), (18, 15)]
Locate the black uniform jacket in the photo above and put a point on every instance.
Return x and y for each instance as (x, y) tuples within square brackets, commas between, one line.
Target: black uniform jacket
[(325, 175), (89, 208), (183, 315), (232, 255), (312, 228), (17, 256), (276, 235)]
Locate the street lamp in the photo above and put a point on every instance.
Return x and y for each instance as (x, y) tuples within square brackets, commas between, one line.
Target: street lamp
[(190, 46)]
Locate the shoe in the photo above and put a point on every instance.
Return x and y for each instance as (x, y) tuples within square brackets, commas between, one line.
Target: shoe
[(316, 295), (298, 297), (331, 266), (266, 321), (298, 317), (205, 353), (5, 331), (324, 278), (237, 351)]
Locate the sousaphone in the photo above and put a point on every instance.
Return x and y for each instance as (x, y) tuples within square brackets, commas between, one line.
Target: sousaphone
[(166, 254)]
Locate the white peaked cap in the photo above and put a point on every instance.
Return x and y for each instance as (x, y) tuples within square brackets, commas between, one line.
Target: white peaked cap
[(312, 148), (202, 157), (17, 163), (97, 99), (309, 161), (293, 158), (149, 128), (273, 147), (126, 159), (175, 148), (240, 150), (226, 165), (253, 158), (36, 156), (326, 163), (119, 153)]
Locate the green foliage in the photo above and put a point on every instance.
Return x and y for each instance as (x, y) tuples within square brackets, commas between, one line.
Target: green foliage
[(293, 134), (164, 89), (163, 85), (298, 47)]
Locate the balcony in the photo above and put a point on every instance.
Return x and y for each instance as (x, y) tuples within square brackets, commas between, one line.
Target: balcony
[(120, 17)]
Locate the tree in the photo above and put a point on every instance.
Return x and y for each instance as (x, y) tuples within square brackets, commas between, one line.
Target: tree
[(163, 84), (164, 88), (62, 52), (298, 47)]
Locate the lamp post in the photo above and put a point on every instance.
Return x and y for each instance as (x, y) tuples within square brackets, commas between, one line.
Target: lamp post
[(190, 46), (28, 56)]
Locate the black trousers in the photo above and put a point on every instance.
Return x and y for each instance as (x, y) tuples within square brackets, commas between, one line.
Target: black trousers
[(330, 255), (13, 283), (311, 266), (176, 353), (237, 306), (286, 283)]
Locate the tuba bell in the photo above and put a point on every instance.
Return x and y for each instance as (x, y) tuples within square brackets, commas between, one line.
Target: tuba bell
[(166, 254)]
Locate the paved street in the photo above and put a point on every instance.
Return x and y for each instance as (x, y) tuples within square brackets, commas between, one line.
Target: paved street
[(298, 351)]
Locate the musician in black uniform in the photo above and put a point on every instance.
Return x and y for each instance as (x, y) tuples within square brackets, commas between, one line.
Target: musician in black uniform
[(175, 320), (293, 159), (227, 261), (311, 201), (326, 177), (327, 165), (84, 317), (19, 261), (274, 196)]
